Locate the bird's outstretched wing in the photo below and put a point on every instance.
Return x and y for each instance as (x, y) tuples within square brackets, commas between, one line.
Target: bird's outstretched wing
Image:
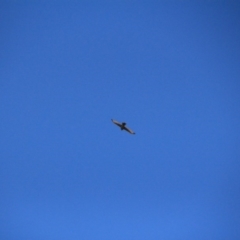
[(116, 122), (129, 130)]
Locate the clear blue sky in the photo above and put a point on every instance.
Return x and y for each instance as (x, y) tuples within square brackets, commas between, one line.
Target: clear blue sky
[(170, 69)]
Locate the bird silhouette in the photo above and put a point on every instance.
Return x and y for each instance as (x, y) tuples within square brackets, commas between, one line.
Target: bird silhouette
[(123, 126)]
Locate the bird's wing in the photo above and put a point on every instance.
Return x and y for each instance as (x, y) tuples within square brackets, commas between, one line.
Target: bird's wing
[(129, 130), (116, 122)]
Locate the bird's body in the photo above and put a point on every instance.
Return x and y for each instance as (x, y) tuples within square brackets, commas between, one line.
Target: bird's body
[(123, 126)]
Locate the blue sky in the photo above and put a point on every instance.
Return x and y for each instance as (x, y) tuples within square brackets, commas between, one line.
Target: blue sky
[(170, 69)]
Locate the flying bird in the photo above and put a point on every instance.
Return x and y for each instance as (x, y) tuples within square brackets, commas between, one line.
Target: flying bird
[(123, 126)]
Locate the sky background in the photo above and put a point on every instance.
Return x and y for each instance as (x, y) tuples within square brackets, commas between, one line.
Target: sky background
[(170, 70)]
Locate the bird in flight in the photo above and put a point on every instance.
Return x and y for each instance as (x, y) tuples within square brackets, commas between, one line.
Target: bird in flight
[(123, 126)]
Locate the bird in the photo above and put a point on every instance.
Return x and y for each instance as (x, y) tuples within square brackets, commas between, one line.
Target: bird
[(123, 126)]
